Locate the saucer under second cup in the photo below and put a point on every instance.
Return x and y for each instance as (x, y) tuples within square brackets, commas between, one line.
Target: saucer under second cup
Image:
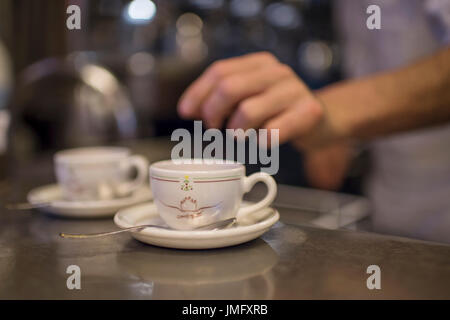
[(84, 209)]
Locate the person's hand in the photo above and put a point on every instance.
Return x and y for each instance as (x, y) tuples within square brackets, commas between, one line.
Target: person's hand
[(256, 91), (326, 168)]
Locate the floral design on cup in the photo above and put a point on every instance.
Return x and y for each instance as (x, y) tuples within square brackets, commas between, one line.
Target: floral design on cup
[(188, 208), (185, 185)]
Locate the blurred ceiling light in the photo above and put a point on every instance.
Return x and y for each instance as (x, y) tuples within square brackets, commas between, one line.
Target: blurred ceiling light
[(283, 15), (315, 57), (207, 4), (189, 25), (140, 11), (193, 50), (99, 78), (141, 63), (245, 8)]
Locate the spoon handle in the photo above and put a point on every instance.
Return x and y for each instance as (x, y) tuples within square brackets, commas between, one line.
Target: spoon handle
[(213, 226), (108, 233)]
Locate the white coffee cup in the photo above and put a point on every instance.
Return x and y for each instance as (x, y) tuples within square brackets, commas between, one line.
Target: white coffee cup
[(98, 173), (192, 194)]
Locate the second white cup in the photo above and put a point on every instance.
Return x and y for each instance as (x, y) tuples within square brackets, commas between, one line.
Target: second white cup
[(98, 173)]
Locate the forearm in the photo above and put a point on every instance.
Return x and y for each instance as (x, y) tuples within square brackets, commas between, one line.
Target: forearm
[(408, 98)]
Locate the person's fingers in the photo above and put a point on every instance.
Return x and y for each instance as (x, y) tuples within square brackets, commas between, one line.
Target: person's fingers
[(191, 100), (238, 86), (256, 110), (298, 120)]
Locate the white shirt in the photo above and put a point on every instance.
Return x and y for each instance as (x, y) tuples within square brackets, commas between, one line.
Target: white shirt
[(410, 180)]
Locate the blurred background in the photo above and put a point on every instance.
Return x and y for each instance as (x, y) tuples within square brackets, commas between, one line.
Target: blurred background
[(120, 76)]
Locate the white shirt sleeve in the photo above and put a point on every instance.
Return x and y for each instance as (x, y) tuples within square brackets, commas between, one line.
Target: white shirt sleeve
[(439, 10)]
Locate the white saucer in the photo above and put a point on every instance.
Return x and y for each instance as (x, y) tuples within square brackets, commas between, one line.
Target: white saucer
[(84, 209), (254, 226)]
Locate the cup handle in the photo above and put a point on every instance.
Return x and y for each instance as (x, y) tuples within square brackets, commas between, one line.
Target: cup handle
[(141, 164), (248, 183)]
